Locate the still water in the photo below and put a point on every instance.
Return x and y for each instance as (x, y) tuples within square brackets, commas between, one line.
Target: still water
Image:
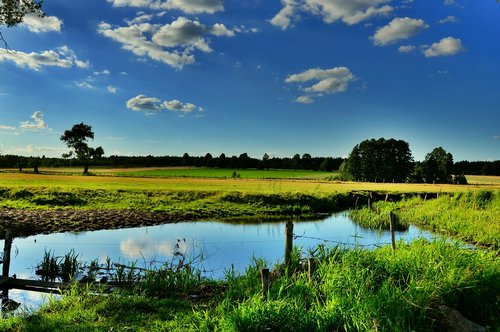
[(223, 244)]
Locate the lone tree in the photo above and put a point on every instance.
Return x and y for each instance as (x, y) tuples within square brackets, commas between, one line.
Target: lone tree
[(438, 166), (76, 139), (12, 12)]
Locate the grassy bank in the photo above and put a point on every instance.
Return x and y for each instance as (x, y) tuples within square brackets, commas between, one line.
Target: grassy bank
[(354, 290), (473, 216)]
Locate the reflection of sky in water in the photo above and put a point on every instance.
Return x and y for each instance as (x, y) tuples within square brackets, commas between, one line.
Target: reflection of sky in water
[(222, 244)]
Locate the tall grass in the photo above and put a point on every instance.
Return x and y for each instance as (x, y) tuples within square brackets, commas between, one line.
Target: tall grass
[(352, 290), (472, 216)]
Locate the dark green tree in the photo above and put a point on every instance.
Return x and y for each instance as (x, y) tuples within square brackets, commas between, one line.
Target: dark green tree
[(208, 160), (379, 160), (438, 166), (222, 162), (76, 139), (265, 161)]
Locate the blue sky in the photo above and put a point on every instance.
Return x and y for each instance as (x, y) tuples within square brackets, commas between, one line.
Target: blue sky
[(164, 77)]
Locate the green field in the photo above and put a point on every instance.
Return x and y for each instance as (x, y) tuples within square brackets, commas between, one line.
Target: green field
[(228, 173), (353, 290)]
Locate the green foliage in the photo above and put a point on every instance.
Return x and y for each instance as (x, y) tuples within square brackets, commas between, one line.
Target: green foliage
[(76, 139), (437, 167), (12, 12), (472, 216), (379, 160)]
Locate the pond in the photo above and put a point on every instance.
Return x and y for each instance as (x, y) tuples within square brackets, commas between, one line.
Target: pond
[(223, 244)]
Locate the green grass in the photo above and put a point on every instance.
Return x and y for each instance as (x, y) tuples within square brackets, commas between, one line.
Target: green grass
[(352, 290), (228, 173), (472, 216)]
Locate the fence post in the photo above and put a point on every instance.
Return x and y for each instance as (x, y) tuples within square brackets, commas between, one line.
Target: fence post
[(288, 244), (392, 228), (264, 277), (311, 266), (6, 252)]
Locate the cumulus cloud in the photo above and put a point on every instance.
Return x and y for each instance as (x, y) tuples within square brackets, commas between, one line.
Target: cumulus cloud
[(38, 122), (406, 48), (182, 32), (141, 103), (62, 57), (329, 81), (448, 19), (170, 43), (445, 47), (398, 29), (37, 24), (186, 6), (349, 12)]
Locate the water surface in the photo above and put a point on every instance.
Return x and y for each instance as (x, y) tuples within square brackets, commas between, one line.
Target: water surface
[(223, 244)]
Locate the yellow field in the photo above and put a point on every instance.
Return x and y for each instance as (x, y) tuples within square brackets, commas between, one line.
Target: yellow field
[(27, 180), (483, 179)]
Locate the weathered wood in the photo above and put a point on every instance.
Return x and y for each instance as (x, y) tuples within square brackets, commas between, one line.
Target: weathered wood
[(311, 267), (264, 277), (288, 243), (392, 228), (52, 286), (6, 252)]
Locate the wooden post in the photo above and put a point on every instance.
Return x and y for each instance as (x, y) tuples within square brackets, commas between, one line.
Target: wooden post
[(392, 227), (6, 252), (288, 244), (264, 277), (311, 266)]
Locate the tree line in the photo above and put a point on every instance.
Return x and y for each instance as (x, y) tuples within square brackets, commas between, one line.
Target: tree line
[(390, 160), (243, 161)]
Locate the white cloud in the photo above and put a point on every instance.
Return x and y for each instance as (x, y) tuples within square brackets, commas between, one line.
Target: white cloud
[(445, 47), (398, 29), (287, 14), (186, 6), (63, 57), (30, 149), (85, 85), (37, 24), (182, 32), (406, 48), (449, 19), (103, 72), (141, 103), (449, 2), (171, 43), (140, 19), (9, 128), (350, 12), (304, 100), (333, 80), (37, 124), (112, 89), (175, 105), (133, 39), (219, 29)]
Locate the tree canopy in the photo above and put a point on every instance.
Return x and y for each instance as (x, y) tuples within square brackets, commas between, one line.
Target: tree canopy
[(379, 160), (437, 167), (76, 139), (12, 12)]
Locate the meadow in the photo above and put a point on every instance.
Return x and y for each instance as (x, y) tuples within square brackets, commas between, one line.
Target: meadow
[(352, 290)]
